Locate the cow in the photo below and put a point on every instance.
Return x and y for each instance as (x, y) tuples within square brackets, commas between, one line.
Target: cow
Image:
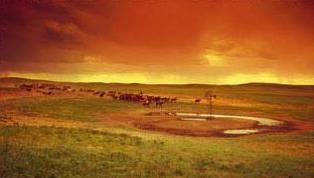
[(146, 103), (198, 100), (26, 87), (102, 94), (47, 93), (173, 100), (159, 103), (96, 92)]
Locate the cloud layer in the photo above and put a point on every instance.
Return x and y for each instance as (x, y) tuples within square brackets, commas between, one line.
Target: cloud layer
[(191, 41)]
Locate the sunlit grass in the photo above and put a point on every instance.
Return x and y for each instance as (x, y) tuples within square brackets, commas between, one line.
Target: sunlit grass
[(50, 151), (81, 109), (61, 152)]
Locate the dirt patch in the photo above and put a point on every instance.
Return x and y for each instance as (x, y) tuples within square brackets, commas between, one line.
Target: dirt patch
[(212, 132), (194, 124), (165, 124), (210, 125), (174, 125)]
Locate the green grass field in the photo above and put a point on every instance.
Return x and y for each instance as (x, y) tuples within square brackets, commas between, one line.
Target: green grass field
[(100, 150)]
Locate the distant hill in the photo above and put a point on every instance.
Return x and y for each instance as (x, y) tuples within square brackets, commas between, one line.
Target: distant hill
[(20, 80), (17, 80)]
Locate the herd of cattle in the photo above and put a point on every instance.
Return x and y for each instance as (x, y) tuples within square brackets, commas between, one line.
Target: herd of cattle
[(145, 100), (46, 89)]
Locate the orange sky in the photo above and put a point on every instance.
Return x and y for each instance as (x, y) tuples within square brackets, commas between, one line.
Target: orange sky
[(159, 41)]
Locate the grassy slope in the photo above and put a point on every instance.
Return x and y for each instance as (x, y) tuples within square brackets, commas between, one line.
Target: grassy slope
[(77, 152), (81, 109), (64, 152), (293, 101)]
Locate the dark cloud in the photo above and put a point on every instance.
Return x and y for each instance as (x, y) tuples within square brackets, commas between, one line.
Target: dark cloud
[(62, 33)]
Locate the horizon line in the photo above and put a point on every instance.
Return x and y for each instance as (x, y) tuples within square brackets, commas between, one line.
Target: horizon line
[(247, 83)]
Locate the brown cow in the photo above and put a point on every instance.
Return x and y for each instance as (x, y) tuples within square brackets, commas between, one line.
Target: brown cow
[(198, 100)]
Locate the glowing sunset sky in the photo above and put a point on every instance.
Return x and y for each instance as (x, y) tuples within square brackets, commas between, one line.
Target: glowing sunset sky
[(161, 41)]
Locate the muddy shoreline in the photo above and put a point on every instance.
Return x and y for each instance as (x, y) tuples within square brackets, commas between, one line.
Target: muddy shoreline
[(261, 126)]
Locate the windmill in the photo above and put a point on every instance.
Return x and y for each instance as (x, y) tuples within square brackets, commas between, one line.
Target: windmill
[(210, 97)]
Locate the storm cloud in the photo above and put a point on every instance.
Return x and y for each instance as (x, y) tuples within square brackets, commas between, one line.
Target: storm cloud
[(194, 41)]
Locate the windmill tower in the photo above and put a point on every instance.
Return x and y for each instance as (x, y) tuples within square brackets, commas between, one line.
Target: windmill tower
[(210, 97)]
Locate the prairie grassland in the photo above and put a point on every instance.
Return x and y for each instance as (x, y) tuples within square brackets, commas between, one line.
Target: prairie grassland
[(81, 142), (32, 151)]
